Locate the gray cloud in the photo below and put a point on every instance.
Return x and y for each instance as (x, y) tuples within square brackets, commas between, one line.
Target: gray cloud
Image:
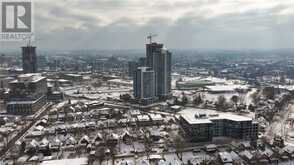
[(123, 24)]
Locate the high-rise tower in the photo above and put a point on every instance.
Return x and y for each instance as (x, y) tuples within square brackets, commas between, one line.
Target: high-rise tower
[(162, 69), (144, 84), (29, 59), (152, 48), (159, 59)]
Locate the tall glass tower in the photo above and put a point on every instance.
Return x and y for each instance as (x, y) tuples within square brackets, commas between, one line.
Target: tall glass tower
[(159, 59), (144, 84)]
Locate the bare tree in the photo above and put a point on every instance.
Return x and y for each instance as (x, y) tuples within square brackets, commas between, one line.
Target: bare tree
[(147, 144), (197, 99), (235, 100), (205, 161), (242, 99), (179, 146), (112, 148), (221, 103), (269, 92), (100, 154), (184, 99), (5, 136), (79, 149), (255, 98)]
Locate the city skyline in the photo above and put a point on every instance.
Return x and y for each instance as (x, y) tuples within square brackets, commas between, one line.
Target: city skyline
[(110, 24), (129, 82)]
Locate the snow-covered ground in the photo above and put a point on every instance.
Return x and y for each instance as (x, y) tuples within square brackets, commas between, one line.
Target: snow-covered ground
[(213, 96), (282, 126), (220, 83), (97, 93)]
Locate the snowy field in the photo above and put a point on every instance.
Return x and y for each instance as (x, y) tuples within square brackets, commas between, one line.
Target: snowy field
[(97, 93)]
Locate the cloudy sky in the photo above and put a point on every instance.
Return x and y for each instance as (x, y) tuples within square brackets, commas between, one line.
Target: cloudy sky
[(124, 24)]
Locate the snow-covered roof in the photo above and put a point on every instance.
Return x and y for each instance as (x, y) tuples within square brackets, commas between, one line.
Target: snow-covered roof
[(120, 81), (33, 143), (155, 156), (33, 158), (44, 142), (143, 162), (175, 107), (289, 149), (84, 138), (143, 117), (163, 162), (21, 102), (29, 77), (225, 157), (226, 88), (74, 75), (125, 162), (114, 136), (77, 161), (39, 128), (190, 113), (156, 117), (247, 154)]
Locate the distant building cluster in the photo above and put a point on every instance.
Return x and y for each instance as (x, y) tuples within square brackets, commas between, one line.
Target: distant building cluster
[(77, 107), (28, 91)]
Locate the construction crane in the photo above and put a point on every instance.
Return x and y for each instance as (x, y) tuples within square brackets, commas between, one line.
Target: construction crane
[(150, 36), (28, 39)]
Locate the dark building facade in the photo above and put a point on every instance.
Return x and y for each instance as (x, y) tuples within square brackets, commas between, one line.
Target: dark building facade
[(132, 67), (54, 95), (29, 59), (162, 69), (142, 62), (150, 50), (200, 132)]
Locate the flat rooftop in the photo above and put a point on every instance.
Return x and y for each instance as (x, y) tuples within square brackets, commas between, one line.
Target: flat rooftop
[(19, 102), (207, 116), (229, 87), (77, 161), (30, 77), (73, 75)]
